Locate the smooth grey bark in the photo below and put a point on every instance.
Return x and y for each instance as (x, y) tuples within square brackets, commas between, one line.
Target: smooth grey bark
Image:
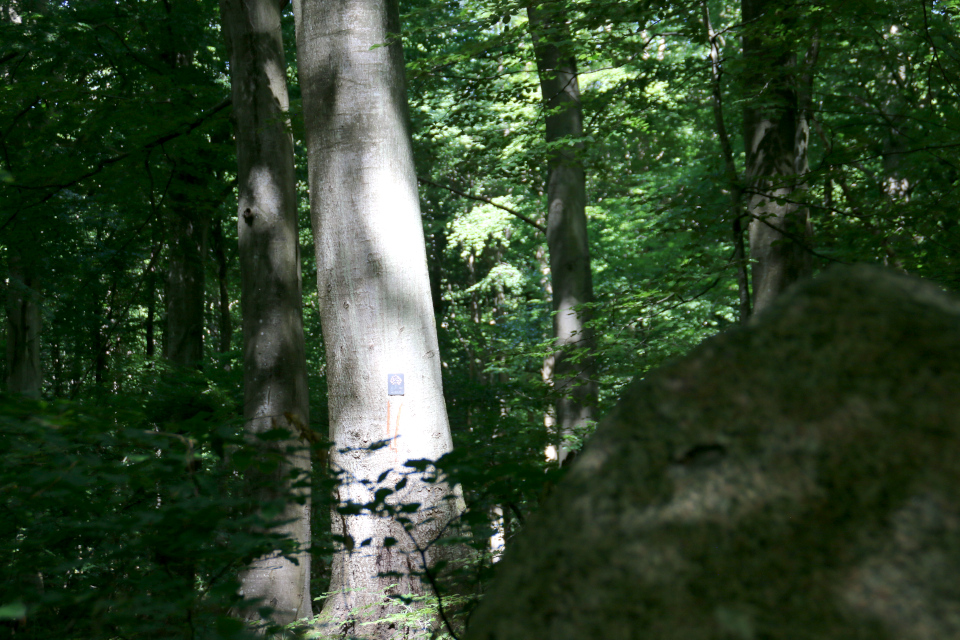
[(374, 298), (793, 478), (776, 135), (574, 377), (274, 359), (23, 330)]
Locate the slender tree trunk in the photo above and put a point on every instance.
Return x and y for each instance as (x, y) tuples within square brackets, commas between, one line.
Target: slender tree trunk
[(274, 361), (574, 376), (189, 222), (223, 306), (897, 186), (23, 330), (775, 138), (183, 337), (56, 359), (99, 342), (375, 303), (729, 169), (150, 328)]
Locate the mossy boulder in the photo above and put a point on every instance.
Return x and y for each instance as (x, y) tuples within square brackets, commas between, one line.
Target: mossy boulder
[(798, 478)]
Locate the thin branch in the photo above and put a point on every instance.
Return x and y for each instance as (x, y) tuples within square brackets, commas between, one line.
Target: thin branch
[(730, 170), (710, 286), (20, 114), (106, 162), (133, 54), (929, 147), (422, 551), (114, 327), (516, 512), (469, 196), (436, 589), (762, 219), (933, 45), (100, 166)]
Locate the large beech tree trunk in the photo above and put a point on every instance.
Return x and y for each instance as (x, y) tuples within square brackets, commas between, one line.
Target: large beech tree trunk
[(374, 297), (574, 364), (23, 330), (274, 361), (776, 134)]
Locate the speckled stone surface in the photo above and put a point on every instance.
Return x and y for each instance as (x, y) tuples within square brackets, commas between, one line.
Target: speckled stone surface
[(798, 478)]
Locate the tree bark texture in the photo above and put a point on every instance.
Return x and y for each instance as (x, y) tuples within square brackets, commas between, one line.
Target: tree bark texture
[(374, 297), (23, 330), (189, 208), (776, 133), (574, 376), (188, 226), (274, 360)]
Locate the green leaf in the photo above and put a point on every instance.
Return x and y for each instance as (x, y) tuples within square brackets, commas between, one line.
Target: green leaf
[(13, 611)]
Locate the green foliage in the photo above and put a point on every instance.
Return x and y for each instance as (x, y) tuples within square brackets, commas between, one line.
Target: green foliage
[(416, 617), (127, 503), (118, 525)]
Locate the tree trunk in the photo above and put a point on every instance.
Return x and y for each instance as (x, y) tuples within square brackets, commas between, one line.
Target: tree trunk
[(225, 327), (183, 338), (23, 330), (775, 138), (274, 360), (574, 376), (150, 327), (374, 297), (729, 169), (99, 342), (189, 223)]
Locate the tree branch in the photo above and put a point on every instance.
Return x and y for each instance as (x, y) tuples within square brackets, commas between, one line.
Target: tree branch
[(106, 162), (462, 194), (730, 170)]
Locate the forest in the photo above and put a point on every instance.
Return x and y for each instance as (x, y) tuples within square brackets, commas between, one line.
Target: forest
[(310, 305)]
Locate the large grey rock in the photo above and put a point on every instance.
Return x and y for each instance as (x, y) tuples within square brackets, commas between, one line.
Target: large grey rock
[(797, 478)]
